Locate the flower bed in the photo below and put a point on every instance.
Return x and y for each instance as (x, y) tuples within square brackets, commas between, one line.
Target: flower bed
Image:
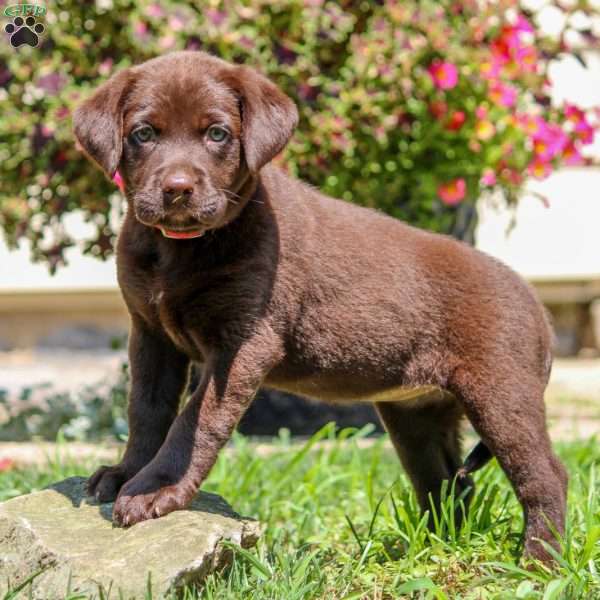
[(411, 107)]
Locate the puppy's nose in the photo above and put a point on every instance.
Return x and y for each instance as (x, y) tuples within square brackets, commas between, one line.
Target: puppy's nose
[(176, 186)]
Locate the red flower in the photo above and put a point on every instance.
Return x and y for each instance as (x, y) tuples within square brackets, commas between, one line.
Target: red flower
[(513, 50), (438, 109), (453, 192), (583, 130), (456, 121), (574, 113)]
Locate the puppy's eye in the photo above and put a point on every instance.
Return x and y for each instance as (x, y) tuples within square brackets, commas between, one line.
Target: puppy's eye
[(217, 134), (143, 134)]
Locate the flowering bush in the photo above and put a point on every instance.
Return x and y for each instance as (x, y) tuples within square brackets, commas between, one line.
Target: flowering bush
[(413, 107)]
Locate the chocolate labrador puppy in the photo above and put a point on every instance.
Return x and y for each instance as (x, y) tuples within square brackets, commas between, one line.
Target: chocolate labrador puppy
[(225, 260)]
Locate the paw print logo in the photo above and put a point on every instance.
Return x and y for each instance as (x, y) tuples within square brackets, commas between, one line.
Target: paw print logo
[(24, 32)]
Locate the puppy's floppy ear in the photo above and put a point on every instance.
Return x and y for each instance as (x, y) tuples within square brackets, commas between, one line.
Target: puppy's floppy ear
[(269, 117), (98, 122)]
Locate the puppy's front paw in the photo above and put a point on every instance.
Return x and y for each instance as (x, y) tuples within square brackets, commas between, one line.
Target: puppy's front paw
[(149, 497), (106, 482)]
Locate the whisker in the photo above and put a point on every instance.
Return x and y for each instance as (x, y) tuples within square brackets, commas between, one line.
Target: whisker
[(229, 193)]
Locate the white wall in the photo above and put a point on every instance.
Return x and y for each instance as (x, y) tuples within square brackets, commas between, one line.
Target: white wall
[(18, 273), (558, 240)]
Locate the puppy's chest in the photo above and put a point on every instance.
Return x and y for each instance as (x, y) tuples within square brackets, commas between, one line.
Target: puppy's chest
[(182, 317), (198, 318)]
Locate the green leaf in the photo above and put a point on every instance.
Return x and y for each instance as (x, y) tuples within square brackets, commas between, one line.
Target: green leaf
[(524, 589), (555, 588), (422, 583), (261, 570)]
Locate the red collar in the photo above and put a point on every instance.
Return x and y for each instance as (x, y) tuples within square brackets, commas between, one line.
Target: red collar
[(119, 181)]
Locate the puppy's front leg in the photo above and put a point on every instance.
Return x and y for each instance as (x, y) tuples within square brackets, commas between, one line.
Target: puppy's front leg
[(159, 375), (206, 423)]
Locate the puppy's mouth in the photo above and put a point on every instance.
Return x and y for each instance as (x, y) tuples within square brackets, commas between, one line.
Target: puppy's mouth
[(181, 234)]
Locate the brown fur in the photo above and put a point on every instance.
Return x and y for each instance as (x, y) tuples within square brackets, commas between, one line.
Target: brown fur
[(291, 289)]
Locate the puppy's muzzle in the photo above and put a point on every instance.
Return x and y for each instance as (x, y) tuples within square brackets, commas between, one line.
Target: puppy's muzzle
[(177, 189)]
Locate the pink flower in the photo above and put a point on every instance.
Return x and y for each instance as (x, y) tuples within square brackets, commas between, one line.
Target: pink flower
[(513, 49), (540, 169), (379, 133), (583, 129), (571, 156), (453, 192), (177, 22), (530, 124), (216, 17), (155, 10), (511, 175), (246, 42), (105, 66), (549, 141), (119, 181), (526, 57), (167, 41), (443, 74), (6, 464), (489, 178), (62, 112), (503, 94), (140, 29), (523, 25), (481, 112), (585, 132), (490, 69)]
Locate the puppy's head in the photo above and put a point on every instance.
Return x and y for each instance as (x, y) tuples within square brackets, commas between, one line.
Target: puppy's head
[(186, 131)]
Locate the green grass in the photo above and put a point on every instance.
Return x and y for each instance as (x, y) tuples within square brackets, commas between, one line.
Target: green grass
[(342, 523)]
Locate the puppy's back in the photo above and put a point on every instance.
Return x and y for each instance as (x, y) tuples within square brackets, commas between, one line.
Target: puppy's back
[(433, 285)]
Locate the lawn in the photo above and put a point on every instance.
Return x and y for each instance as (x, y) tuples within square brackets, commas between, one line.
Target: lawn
[(342, 523)]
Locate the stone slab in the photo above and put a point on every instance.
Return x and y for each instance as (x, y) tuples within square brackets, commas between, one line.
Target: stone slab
[(71, 543)]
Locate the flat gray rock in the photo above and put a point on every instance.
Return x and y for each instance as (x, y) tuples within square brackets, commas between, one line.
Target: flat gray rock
[(71, 544)]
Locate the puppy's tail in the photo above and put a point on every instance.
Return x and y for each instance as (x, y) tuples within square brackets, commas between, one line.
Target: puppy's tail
[(477, 458)]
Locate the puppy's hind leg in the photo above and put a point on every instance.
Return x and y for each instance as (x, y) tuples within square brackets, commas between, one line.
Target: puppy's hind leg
[(506, 407), (427, 440)]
